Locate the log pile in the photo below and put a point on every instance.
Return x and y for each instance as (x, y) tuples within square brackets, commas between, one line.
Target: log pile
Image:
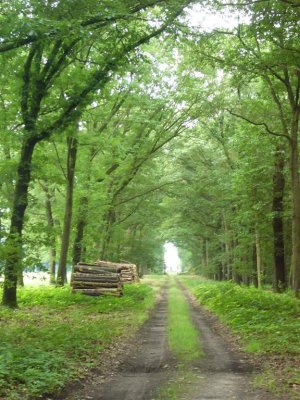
[(96, 280), (128, 272)]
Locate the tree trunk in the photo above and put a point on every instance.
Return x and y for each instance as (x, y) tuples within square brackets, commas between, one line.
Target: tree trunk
[(206, 256), (82, 218), (234, 275), (223, 264), (277, 221), (258, 259), (20, 279), (202, 258), (80, 226), (71, 161), (245, 279), (296, 207), (254, 264), (227, 249), (52, 251), (107, 233), (220, 271), (13, 262)]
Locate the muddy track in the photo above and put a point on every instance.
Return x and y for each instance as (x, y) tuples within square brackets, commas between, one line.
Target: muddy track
[(142, 371)]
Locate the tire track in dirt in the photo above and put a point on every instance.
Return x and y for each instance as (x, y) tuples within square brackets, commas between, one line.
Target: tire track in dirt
[(223, 373), (143, 370)]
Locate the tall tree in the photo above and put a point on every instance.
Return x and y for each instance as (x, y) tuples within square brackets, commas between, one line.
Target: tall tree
[(52, 47), (72, 146)]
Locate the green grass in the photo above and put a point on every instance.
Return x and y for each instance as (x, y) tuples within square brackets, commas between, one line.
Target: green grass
[(267, 322), (183, 337), (184, 344), (177, 385), (155, 281), (192, 281), (55, 335)]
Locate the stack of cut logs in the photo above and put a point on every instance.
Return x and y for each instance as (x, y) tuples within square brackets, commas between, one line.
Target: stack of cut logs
[(96, 280), (128, 272)]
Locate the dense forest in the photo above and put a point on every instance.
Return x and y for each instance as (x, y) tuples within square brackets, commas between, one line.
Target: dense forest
[(126, 124)]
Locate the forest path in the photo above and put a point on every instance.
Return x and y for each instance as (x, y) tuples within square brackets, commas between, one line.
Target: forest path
[(223, 373), (148, 369), (142, 371)]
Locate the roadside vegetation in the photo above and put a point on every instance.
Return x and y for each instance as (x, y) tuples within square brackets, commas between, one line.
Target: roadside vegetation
[(155, 281), (267, 324), (56, 336)]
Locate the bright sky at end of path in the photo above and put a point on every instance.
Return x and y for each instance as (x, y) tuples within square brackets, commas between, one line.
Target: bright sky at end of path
[(171, 258)]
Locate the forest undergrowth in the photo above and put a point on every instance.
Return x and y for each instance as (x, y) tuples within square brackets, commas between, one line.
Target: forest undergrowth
[(55, 336)]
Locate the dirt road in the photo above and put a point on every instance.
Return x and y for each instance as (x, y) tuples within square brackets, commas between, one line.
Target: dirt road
[(221, 374), (146, 368)]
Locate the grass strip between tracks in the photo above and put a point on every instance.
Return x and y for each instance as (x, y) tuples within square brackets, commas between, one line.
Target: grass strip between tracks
[(183, 337), (184, 344)]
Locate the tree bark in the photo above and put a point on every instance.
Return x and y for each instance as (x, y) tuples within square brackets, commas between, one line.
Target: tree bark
[(277, 221), (21, 279), (293, 95), (71, 162), (296, 204), (50, 221), (235, 276), (254, 264), (80, 226), (258, 259), (206, 256), (227, 273), (13, 262), (107, 233)]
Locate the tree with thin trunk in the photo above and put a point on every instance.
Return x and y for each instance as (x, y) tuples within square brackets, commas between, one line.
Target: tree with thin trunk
[(72, 146), (280, 282), (51, 229)]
